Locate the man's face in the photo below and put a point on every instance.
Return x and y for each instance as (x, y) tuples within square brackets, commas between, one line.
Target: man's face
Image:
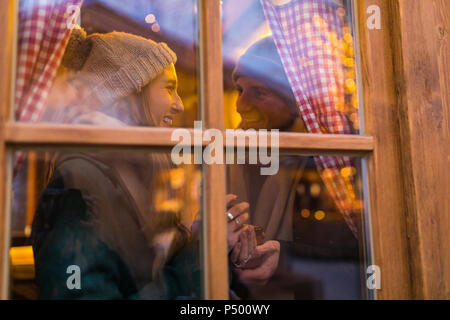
[(261, 107)]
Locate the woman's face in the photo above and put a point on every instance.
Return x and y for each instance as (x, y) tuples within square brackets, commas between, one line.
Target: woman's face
[(162, 97), (261, 107)]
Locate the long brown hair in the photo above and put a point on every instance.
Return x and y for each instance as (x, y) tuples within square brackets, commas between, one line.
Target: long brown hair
[(132, 110)]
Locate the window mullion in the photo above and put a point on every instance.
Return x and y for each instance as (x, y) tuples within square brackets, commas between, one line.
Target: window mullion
[(8, 27), (215, 259)]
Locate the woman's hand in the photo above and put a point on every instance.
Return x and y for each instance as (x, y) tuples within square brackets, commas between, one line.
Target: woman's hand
[(235, 225), (244, 249), (237, 216), (254, 264)]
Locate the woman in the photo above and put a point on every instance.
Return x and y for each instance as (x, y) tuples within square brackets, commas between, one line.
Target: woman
[(98, 214)]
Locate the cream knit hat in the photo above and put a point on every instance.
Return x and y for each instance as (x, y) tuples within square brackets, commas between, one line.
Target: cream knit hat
[(116, 63)]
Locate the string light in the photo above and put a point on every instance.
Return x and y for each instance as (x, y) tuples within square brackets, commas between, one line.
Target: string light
[(305, 213), (319, 215), (301, 189), (350, 86), (314, 190), (156, 27), (150, 18), (177, 178)]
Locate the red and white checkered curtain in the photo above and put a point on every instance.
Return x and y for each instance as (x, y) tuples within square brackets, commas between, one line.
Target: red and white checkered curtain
[(43, 33), (310, 40)]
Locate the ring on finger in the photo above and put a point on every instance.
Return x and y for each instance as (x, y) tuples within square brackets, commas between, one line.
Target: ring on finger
[(243, 263), (246, 260), (237, 221), (230, 216)]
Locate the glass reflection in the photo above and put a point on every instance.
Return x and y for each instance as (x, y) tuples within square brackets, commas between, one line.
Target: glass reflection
[(104, 61), (290, 65), (105, 225), (319, 255)]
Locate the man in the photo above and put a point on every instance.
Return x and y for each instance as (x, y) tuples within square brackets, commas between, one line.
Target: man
[(266, 101)]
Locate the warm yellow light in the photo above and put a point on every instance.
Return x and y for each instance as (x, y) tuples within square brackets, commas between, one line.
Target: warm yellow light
[(22, 262), (354, 119), (328, 173), (21, 255), (348, 172), (333, 38), (176, 178), (319, 215), (350, 51), (350, 74), (319, 22), (345, 172), (301, 189), (348, 62), (315, 189), (305, 213), (156, 27), (350, 85), (355, 101), (172, 205), (358, 205), (348, 38), (266, 34), (311, 175)]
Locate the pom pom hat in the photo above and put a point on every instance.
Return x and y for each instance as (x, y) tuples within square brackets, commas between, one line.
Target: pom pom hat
[(116, 63)]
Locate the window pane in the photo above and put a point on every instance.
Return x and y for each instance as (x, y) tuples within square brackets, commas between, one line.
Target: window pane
[(308, 230), (290, 65), (105, 225), (115, 70)]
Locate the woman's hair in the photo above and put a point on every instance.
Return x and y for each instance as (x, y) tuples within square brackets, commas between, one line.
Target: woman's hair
[(132, 110)]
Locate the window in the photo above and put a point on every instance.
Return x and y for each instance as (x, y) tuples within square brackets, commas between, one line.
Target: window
[(362, 145), (79, 99)]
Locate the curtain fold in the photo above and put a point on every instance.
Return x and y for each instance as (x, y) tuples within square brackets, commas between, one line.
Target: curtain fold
[(43, 32), (314, 41)]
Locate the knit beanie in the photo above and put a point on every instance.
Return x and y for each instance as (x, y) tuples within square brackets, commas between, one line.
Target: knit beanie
[(262, 62), (116, 63)]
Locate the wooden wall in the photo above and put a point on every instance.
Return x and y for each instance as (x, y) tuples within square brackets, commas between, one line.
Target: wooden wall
[(422, 67), (405, 75)]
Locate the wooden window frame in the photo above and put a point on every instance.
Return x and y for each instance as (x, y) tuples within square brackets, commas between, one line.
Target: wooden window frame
[(380, 147)]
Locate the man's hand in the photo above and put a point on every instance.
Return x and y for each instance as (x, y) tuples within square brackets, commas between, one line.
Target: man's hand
[(254, 264)]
